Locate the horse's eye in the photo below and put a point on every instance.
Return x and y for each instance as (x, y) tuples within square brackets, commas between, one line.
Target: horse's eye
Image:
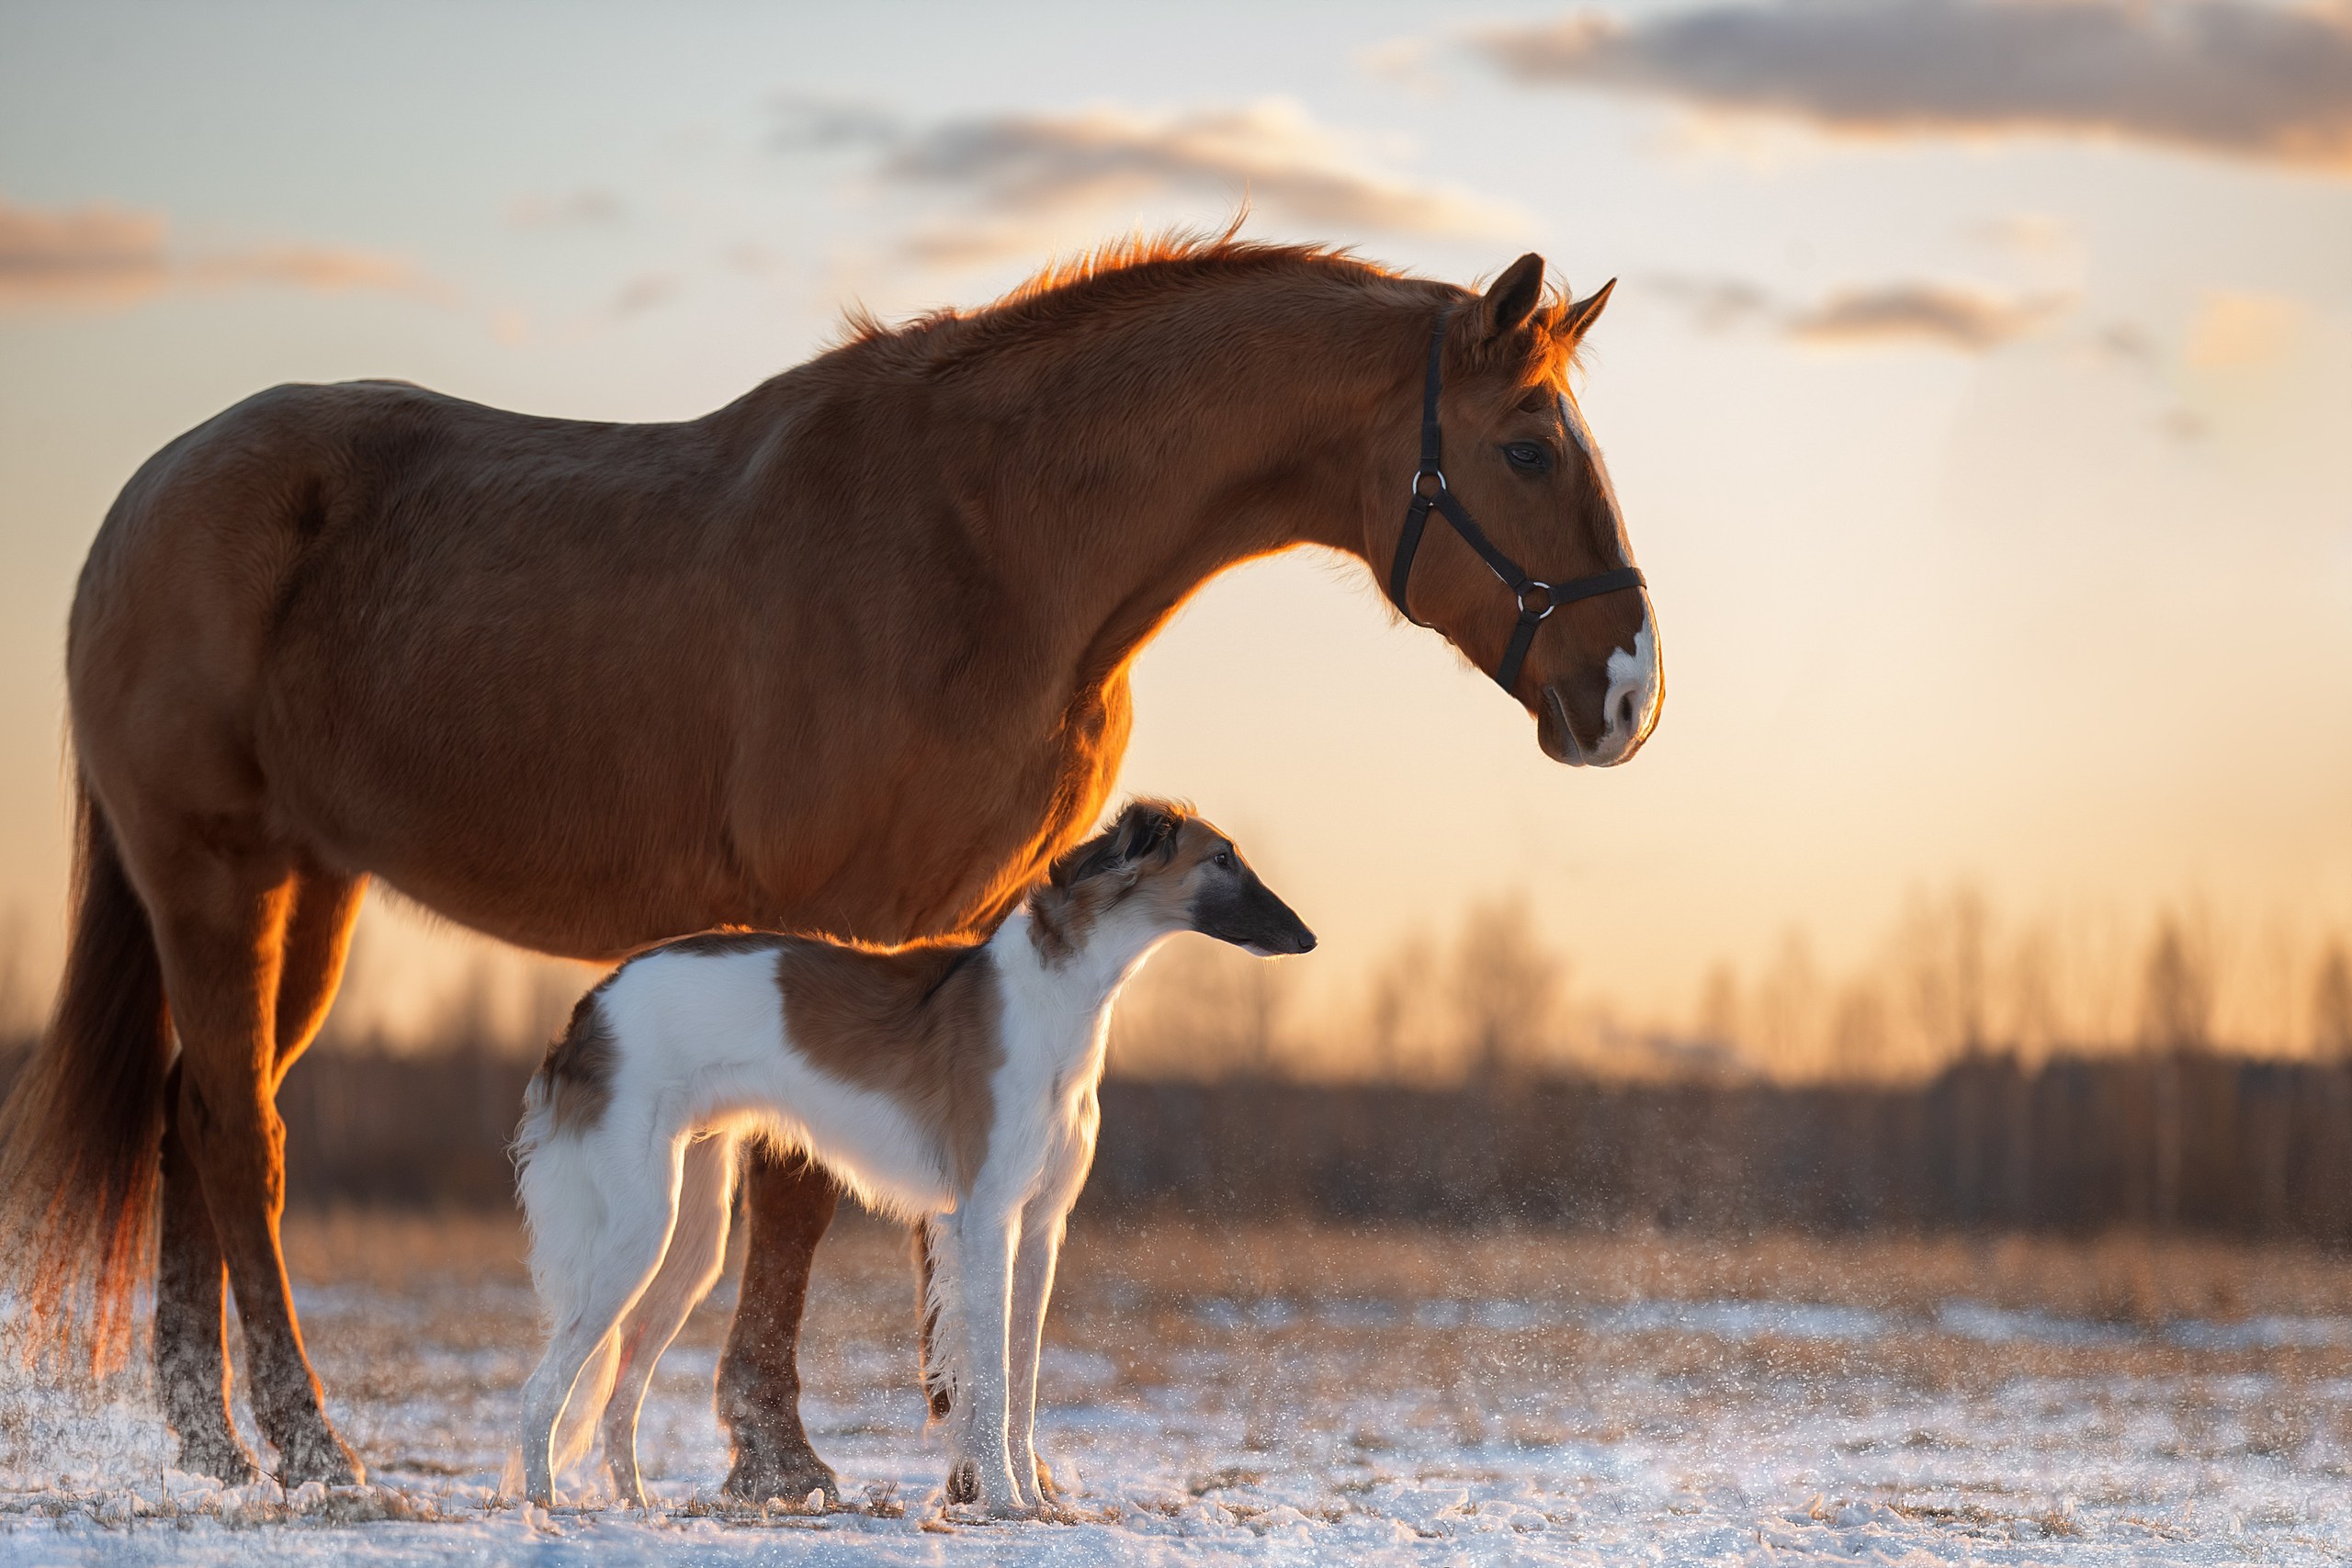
[(1224, 860), (1527, 457)]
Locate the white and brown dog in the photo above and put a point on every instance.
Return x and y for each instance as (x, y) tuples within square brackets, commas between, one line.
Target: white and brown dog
[(954, 1084)]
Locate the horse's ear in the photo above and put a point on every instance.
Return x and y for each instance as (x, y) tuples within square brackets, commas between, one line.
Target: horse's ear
[(1577, 320), (1512, 301)]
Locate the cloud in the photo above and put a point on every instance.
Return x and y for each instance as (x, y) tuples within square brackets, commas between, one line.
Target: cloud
[(1017, 171), (643, 292), (96, 255), (110, 257), (2258, 81), (1931, 315), (2234, 330), (2034, 235), (589, 206)]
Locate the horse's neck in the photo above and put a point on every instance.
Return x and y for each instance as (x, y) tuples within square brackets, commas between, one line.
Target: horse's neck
[(1237, 461), (1175, 445)]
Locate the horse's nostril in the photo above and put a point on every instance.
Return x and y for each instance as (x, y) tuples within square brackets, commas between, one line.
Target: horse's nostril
[(1626, 710)]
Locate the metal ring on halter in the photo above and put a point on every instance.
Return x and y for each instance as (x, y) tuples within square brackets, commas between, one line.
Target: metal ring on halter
[(1421, 474), (1549, 603)]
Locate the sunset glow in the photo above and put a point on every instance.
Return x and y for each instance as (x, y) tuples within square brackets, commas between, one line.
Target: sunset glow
[(1984, 451)]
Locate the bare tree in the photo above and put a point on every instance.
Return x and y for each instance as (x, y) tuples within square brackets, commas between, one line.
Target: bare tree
[(1787, 1011), (1722, 1022), (2176, 990), (1203, 1011), (1858, 1047), (1939, 954), (2332, 1006), (2175, 1015), (1505, 986), (1401, 1021)]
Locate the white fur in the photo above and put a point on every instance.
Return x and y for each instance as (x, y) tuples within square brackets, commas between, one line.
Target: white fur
[(629, 1216), (1631, 706)]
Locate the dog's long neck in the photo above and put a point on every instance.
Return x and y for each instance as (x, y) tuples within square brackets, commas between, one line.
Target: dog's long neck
[(1061, 994)]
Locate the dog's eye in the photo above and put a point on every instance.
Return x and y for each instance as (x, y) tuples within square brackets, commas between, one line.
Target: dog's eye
[(1527, 457)]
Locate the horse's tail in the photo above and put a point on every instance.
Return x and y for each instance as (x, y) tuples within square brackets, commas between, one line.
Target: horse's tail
[(81, 1138)]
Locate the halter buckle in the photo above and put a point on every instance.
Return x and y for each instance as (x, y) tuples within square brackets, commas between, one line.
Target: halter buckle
[(1543, 589)]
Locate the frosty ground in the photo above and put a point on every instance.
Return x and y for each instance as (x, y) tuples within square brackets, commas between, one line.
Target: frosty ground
[(1300, 1393)]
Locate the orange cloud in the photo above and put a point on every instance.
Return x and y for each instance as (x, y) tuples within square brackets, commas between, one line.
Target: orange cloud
[(108, 258), (2234, 330)]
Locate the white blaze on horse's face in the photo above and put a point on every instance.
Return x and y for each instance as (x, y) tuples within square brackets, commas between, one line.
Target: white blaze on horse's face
[(1631, 707)]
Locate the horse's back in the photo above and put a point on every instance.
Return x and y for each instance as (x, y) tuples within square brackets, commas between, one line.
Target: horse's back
[(273, 584)]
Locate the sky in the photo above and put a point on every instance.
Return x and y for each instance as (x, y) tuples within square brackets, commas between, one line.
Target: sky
[(1975, 389)]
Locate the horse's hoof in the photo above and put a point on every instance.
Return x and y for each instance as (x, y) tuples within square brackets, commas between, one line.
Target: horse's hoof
[(322, 1457), (755, 1478), (220, 1456)]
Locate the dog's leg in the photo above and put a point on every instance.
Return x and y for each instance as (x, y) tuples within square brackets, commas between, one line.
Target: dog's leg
[(984, 1244), (1042, 1225), (698, 1253), (616, 1262), (1033, 1286)]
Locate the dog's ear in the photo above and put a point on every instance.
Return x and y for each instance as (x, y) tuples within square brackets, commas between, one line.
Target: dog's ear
[(1143, 828)]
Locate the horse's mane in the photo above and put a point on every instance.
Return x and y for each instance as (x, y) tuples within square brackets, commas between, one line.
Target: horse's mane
[(1104, 276)]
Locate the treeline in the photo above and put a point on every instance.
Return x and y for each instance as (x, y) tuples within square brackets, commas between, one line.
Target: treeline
[(2186, 1140)]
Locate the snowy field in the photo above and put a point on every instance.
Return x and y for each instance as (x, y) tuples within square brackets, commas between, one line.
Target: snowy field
[(1318, 1396)]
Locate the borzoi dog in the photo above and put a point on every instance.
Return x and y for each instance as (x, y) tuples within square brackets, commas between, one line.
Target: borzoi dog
[(950, 1083)]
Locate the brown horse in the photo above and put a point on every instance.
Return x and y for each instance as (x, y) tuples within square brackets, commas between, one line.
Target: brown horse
[(849, 655)]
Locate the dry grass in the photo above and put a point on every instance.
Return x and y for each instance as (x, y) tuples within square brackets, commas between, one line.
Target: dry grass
[(2125, 1278)]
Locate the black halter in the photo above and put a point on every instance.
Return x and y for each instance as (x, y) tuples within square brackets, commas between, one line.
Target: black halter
[(1537, 600)]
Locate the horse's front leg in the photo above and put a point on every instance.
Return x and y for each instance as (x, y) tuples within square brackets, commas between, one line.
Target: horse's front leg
[(984, 1244)]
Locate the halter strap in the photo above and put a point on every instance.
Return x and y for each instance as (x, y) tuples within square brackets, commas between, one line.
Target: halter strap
[(1537, 600)]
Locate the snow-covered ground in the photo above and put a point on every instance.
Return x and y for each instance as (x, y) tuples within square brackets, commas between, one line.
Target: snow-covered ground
[(1296, 1394)]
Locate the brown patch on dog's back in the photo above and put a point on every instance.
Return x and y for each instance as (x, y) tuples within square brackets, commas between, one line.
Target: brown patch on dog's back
[(920, 1024), (579, 1067), (724, 944)]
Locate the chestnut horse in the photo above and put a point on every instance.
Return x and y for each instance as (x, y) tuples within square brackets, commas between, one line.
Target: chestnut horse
[(850, 655)]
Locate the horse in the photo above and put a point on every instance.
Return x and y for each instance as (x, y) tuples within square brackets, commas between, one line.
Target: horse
[(951, 1083), (848, 655)]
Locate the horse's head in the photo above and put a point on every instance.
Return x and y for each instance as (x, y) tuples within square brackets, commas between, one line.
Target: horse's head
[(1519, 463)]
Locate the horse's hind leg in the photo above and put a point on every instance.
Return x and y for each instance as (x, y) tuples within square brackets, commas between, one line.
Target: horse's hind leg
[(696, 1255), (191, 1364), (221, 928), (788, 1200)]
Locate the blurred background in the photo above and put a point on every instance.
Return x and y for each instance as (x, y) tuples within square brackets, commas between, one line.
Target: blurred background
[(1975, 389)]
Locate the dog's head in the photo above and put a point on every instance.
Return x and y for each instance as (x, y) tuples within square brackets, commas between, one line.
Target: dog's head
[(1163, 868)]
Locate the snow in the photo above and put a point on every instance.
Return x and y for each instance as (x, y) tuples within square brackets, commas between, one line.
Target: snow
[(1299, 1407)]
